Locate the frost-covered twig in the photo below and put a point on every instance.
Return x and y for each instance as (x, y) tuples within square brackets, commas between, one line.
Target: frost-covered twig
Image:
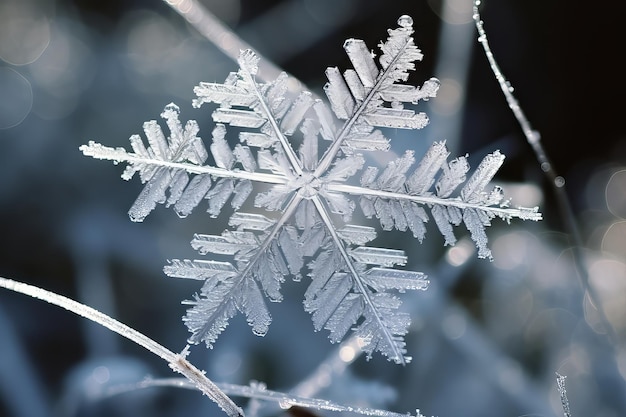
[(532, 136), (560, 382), (259, 391), (177, 362), (557, 182), (220, 35)]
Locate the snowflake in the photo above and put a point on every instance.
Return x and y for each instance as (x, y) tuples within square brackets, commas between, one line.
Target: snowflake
[(352, 285)]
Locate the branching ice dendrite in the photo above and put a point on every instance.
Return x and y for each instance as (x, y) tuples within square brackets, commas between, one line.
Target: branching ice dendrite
[(313, 192)]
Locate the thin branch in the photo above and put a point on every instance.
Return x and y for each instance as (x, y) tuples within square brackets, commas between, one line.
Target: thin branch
[(177, 362), (260, 392), (220, 35), (560, 383), (334, 365), (557, 182)]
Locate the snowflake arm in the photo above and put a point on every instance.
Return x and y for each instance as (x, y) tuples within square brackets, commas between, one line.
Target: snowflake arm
[(397, 199), (342, 291), (358, 96), (166, 164), (311, 192), (261, 262), (263, 104)]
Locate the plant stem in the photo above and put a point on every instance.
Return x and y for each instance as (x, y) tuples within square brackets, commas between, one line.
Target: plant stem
[(560, 383), (556, 181), (177, 362), (260, 392)]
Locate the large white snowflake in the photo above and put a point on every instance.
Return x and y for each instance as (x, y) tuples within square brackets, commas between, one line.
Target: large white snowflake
[(313, 194)]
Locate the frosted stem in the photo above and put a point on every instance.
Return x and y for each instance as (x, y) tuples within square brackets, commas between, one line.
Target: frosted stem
[(258, 391), (177, 362), (531, 135), (560, 383), (557, 182)]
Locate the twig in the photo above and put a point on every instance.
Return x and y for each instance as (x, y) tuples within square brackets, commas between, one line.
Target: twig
[(560, 383), (177, 362), (557, 182), (209, 26), (259, 391)]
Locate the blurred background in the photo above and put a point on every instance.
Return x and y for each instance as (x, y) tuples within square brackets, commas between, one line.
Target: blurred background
[(487, 338)]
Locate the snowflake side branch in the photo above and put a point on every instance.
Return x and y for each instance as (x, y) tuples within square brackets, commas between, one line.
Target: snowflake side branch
[(293, 159), (523, 213), (287, 214), (398, 356), (331, 152), (383, 78), (207, 328), (117, 155)]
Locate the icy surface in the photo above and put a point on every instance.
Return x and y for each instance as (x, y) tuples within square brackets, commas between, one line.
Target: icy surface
[(302, 159)]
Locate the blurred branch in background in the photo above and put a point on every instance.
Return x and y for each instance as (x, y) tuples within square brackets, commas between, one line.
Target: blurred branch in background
[(207, 24)]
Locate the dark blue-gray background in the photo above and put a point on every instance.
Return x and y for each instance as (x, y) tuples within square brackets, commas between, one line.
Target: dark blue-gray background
[(487, 337)]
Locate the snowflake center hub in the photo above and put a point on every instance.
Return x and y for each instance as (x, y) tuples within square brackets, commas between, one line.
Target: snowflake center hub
[(309, 184)]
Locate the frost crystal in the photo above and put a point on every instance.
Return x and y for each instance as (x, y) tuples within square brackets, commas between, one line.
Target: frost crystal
[(312, 168)]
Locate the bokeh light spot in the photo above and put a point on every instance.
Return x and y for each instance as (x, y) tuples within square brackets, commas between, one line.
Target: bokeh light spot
[(24, 32), (559, 181), (458, 254), (510, 376), (608, 278), (614, 239), (101, 375), (525, 195), (16, 99), (454, 325), (63, 71), (448, 97), (616, 194), (227, 363), (150, 40), (455, 12), (511, 250), (347, 353)]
